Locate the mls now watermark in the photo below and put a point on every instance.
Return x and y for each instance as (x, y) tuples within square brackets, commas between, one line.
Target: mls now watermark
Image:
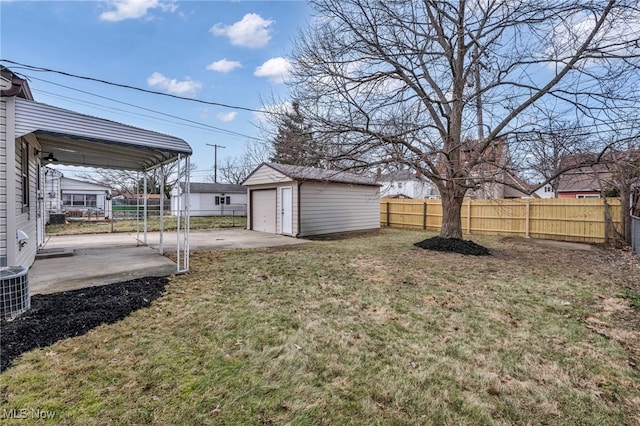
[(25, 413)]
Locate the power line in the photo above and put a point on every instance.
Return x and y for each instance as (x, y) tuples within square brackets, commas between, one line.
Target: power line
[(198, 125), (140, 89)]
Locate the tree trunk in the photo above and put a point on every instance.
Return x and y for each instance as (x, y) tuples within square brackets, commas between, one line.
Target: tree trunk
[(451, 209), (625, 212)]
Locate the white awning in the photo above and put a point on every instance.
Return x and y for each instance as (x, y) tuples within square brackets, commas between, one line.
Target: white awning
[(83, 140)]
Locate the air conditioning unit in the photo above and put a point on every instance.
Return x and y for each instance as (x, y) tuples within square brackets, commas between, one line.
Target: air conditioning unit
[(14, 291)]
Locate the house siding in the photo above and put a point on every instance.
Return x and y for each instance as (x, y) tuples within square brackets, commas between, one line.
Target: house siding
[(25, 221), (203, 204), (332, 208), (266, 175), (72, 186), (3, 175)]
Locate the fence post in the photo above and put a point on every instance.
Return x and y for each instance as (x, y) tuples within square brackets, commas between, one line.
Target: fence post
[(387, 214), (424, 215), (468, 216), (527, 219)]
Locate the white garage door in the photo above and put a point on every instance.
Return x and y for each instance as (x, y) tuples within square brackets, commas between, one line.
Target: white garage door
[(263, 210)]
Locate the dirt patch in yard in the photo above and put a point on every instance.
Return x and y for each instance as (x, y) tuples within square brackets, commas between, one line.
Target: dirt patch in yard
[(58, 316)]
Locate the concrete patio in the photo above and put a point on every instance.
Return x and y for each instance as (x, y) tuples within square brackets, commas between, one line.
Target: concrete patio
[(100, 259)]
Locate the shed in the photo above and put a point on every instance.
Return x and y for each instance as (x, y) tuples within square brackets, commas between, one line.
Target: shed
[(211, 199), (304, 201)]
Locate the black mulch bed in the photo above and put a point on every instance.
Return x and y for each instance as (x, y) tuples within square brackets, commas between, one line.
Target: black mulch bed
[(455, 245), (54, 317)]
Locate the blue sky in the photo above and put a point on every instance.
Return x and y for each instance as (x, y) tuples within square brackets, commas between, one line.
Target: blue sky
[(228, 52)]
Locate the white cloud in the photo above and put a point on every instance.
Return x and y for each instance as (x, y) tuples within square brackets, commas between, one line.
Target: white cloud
[(276, 69), (186, 87), (252, 31), (226, 116), (224, 66), (134, 9)]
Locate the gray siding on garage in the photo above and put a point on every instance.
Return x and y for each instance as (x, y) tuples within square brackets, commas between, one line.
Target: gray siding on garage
[(330, 208)]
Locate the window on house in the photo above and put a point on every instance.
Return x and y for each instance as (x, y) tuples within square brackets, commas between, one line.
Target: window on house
[(547, 189), (79, 200), (223, 200), (399, 185), (24, 170), (587, 196)]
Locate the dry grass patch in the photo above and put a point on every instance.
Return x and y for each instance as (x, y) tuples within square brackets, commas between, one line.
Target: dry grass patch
[(76, 227), (364, 330)]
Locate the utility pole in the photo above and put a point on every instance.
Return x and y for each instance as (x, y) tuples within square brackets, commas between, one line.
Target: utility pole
[(215, 160)]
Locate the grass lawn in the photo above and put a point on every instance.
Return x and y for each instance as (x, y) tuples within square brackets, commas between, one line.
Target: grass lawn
[(365, 330), (74, 227)]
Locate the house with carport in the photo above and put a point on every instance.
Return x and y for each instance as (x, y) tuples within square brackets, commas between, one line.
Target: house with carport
[(34, 134)]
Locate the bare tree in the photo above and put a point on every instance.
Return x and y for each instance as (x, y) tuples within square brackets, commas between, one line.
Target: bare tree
[(236, 169), (128, 183), (407, 82)]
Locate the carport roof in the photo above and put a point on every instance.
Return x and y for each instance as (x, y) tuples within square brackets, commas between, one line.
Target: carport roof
[(83, 140)]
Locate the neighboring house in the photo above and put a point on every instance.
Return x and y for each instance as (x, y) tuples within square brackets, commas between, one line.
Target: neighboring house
[(211, 199), (302, 201), (74, 197), (495, 179), (491, 175), (544, 192), (81, 196), (582, 182), (33, 133), (52, 192), (406, 184)]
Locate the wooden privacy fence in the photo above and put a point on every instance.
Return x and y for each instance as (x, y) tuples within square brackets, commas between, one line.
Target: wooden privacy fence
[(566, 219)]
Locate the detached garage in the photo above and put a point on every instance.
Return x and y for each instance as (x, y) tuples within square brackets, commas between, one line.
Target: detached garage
[(303, 201)]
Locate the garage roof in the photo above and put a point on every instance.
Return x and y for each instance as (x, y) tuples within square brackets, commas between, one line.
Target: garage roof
[(83, 140), (303, 173)]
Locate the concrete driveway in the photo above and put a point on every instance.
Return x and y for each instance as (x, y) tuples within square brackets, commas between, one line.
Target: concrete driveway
[(100, 259)]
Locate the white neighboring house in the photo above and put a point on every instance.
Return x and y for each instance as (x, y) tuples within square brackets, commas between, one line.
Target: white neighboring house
[(52, 195), (80, 196), (545, 192), (211, 199), (406, 184), (74, 197)]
